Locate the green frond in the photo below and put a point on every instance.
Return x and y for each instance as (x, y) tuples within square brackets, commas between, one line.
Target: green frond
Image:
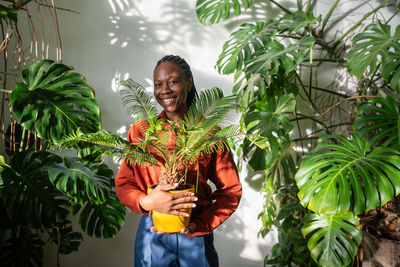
[(109, 144), (137, 101)]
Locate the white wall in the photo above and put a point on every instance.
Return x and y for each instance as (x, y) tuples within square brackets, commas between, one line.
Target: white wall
[(116, 39)]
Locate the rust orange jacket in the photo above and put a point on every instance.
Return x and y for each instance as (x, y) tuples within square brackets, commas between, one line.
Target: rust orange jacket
[(213, 207)]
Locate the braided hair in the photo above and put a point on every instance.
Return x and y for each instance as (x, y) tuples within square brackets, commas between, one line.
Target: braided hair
[(180, 62)]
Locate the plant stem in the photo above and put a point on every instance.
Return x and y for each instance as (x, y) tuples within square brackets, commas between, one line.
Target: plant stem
[(281, 7), (320, 122), (308, 6), (327, 17), (21, 144), (360, 21), (330, 92), (350, 98), (308, 96), (398, 10), (11, 74), (5, 91)]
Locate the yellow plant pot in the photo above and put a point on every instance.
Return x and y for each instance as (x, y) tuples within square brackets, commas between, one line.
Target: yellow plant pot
[(169, 223)]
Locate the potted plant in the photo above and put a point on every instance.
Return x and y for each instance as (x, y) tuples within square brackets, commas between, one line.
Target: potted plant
[(205, 128)]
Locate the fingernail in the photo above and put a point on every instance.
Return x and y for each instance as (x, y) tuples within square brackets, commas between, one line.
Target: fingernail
[(175, 184), (192, 194), (195, 199), (194, 205), (187, 215)]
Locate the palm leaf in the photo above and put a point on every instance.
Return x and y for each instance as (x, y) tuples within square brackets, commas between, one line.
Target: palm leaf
[(379, 119), (373, 47), (137, 101), (29, 195), (212, 11), (334, 238), (54, 101), (105, 143), (348, 175)]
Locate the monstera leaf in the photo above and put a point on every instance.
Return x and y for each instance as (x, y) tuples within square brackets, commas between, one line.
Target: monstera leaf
[(18, 251), (79, 182), (266, 120), (103, 220), (334, 238), (348, 175), (297, 21), (373, 47), (27, 192), (54, 101), (379, 119), (238, 50), (275, 54), (212, 11)]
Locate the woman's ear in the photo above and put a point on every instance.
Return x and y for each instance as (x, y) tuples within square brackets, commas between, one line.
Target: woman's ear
[(190, 84)]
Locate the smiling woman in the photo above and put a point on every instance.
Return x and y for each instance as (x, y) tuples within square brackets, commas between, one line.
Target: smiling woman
[(193, 245)]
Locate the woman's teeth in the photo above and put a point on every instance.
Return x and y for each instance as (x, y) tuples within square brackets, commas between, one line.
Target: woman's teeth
[(168, 100)]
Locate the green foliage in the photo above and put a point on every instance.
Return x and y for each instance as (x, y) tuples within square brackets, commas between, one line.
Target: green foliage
[(102, 220), (212, 11), (374, 47), (334, 238), (348, 175), (54, 101), (7, 12), (265, 124), (71, 176), (379, 120), (22, 251), (29, 196), (69, 240)]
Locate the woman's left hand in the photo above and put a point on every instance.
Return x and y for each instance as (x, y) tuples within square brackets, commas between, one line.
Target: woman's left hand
[(191, 228)]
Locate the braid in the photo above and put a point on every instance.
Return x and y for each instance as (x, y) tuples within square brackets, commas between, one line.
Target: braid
[(192, 94)]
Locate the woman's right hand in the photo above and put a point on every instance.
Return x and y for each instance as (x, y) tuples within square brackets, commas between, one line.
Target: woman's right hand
[(161, 200)]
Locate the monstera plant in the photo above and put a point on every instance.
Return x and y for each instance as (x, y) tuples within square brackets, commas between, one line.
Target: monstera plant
[(52, 101), (320, 194)]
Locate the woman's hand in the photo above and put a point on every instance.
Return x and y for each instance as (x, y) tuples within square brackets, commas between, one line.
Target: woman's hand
[(161, 200), (191, 228)]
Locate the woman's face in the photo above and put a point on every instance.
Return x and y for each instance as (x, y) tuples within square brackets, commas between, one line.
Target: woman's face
[(171, 89)]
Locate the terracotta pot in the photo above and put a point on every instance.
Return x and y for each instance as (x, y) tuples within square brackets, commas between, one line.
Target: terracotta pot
[(169, 223)]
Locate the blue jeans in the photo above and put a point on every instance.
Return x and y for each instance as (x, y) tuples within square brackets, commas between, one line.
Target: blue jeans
[(152, 249)]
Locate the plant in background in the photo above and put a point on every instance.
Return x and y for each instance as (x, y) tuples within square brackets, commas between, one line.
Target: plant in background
[(52, 101), (321, 194)]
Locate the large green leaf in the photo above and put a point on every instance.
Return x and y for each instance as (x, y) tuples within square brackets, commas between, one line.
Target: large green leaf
[(379, 119), (265, 123), (69, 241), (22, 251), (348, 175), (373, 47), (28, 194), (275, 55), (54, 101), (79, 182), (242, 44), (297, 21), (212, 11), (334, 238), (103, 220)]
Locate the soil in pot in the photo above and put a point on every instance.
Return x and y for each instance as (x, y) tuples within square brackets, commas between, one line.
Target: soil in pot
[(169, 223)]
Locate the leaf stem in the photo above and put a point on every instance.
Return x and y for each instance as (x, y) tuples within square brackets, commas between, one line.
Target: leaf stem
[(360, 21), (5, 91), (281, 7), (327, 17), (21, 144)]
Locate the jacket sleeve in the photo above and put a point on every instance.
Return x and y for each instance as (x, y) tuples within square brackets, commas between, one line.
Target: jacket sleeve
[(225, 198), (127, 188)]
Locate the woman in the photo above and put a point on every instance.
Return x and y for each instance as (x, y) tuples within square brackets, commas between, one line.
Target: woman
[(174, 90)]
